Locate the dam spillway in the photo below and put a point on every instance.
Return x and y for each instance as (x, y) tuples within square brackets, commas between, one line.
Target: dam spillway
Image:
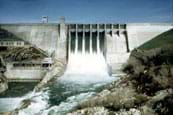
[(86, 52), (92, 37)]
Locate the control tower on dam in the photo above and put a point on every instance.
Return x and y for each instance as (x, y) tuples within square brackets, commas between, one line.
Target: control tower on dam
[(57, 40)]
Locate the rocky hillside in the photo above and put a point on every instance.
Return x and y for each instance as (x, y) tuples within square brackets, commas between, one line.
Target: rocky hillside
[(21, 54)]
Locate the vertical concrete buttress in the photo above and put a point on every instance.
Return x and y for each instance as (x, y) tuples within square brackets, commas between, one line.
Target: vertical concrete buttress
[(83, 40), (98, 39), (91, 39), (69, 42), (76, 40), (62, 41)]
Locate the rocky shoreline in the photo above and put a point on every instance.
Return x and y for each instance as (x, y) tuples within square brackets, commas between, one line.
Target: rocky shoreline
[(3, 83)]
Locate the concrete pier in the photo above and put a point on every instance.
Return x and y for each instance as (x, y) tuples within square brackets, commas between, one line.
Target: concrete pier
[(76, 42), (98, 40), (91, 39), (69, 43), (83, 41)]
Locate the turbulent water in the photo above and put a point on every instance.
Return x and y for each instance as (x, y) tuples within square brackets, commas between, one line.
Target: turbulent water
[(84, 77)]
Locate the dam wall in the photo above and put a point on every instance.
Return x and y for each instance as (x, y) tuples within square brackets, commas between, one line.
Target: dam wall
[(115, 41), (44, 36), (140, 33), (48, 37), (119, 42)]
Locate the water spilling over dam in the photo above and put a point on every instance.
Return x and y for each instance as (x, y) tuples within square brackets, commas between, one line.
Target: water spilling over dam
[(86, 68)]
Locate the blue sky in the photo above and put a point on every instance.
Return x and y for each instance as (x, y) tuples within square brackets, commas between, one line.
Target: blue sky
[(87, 11)]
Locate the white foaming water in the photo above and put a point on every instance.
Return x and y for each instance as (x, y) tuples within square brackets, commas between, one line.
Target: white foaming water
[(86, 68), (8, 104), (39, 102), (69, 104), (85, 73)]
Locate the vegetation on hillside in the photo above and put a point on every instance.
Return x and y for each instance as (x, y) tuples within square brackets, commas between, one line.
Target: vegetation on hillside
[(163, 40)]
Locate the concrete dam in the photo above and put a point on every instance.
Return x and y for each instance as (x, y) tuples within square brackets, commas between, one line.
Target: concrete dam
[(62, 40)]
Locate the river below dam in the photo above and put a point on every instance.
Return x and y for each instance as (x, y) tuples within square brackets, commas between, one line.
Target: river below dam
[(86, 75)]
